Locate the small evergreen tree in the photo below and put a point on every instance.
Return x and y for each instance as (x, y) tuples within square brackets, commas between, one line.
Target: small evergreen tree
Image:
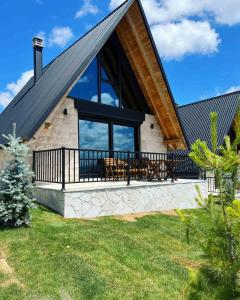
[(217, 227), (15, 184)]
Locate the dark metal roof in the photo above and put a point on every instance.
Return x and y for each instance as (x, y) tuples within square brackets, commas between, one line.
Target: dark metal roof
[(30, 108), (195, 117)]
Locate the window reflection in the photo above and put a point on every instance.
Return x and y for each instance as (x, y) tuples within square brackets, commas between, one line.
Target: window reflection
[(93, 135), (123, 138), (86, 88), (108, 95)]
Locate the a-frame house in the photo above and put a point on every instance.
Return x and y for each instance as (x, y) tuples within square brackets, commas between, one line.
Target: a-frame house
[(128, 86)]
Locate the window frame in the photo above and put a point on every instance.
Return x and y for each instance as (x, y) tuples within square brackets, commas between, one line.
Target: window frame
[(110, 131), (117, 87)]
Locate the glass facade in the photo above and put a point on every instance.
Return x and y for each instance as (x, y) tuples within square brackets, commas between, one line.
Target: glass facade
[(99, 83), (106, 136), (87, 86), (108, 95), (93, 135), (123, 138)]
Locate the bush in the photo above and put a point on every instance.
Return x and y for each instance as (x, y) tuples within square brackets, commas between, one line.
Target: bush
[(217, 228), (15, 185)]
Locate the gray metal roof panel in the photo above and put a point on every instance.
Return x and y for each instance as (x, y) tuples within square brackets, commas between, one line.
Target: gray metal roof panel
[(195, 117), (34, 102)]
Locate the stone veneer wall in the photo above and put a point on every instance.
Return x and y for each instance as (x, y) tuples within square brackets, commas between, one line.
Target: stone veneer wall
[(97, 202), (57, 131), (152, 139)]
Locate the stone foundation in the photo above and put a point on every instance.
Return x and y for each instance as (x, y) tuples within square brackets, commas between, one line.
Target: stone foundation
[(121, 199)]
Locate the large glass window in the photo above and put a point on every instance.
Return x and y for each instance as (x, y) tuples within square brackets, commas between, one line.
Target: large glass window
[(123, 138), (110, 80), (108, 95), (93, 135), (87, 86)]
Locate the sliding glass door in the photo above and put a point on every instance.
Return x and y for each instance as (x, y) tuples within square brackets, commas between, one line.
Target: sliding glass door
[(93, 139), (123, 138), (99, 139), (95, 135)]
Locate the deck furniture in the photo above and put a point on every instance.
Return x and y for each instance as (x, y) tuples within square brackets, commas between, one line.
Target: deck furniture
[(163, 169), (114, 167), (118, 168)]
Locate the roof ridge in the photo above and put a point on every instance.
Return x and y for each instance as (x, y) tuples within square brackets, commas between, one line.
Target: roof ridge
[(209, 99), (86, 33)]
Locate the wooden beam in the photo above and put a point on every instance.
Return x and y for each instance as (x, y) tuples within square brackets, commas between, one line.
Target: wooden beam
[(172, 141), (134, 38), (148, 92), (139, 39)]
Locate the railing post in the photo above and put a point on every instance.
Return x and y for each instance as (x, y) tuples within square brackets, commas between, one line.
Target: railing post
[(34, 166), (200, 175), (128, 168), (63, 168), (172, 167)]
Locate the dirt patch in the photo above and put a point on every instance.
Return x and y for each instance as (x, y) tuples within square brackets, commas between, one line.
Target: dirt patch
[(187, 263), (169, 213), (134, 217), (65, 295), (10, 282), (7, 270), (4, 266)]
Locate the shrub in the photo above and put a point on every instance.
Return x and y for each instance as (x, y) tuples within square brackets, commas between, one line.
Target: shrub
[(15, 184), (217, 227)]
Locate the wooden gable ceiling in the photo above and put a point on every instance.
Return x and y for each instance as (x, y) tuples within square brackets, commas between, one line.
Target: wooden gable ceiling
[(134, 37)]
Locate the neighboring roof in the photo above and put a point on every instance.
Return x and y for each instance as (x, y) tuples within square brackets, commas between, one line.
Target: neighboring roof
[(195, 117), (31, 107)]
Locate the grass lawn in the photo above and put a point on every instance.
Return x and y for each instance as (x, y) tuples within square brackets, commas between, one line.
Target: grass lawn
[(98, 259)]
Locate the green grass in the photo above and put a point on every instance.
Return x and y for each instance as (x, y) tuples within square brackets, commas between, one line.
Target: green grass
[(98, 259)]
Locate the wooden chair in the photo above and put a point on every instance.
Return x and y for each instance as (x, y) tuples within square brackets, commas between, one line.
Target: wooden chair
[(113, 167)]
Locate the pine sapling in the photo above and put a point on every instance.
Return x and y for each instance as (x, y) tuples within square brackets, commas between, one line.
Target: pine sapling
[(15, 184)]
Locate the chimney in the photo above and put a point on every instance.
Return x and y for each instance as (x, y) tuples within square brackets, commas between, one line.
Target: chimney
[(37, 51)]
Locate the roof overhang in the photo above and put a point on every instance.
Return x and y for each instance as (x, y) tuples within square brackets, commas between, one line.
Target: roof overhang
[(136, 39)]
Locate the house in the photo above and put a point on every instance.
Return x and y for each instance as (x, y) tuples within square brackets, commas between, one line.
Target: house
[(100, 112), (195, 117)]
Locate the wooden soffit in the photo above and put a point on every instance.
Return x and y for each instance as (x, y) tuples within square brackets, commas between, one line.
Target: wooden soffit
[(134, 37)]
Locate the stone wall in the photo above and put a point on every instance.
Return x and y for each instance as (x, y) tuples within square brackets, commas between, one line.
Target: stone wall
[(59, 130), (152, 139), (118, 200)]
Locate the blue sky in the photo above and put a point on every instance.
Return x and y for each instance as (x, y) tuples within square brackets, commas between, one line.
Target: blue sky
[(198, 41)]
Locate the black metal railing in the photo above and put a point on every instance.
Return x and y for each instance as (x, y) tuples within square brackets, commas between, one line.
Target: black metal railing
[(67, 165), (212, 185)]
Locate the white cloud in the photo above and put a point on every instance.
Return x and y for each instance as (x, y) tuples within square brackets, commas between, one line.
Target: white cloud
[(60, 36), (13, 88), (5, 98), (87, 8), (223, 11), (172, 16), (115, 3), (232, 89), (175, 40)]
